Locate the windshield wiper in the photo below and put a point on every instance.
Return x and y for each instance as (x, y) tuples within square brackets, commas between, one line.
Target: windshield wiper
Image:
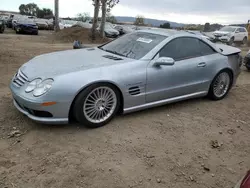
[(113, 52)]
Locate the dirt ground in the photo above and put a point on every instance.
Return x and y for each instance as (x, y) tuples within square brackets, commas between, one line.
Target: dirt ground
[(169, 146)]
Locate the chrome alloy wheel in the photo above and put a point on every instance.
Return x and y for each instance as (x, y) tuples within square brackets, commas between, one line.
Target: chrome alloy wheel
[(100, 104), (221, 84)]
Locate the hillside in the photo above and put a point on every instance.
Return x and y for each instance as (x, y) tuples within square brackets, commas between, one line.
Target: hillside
[(154, 22)]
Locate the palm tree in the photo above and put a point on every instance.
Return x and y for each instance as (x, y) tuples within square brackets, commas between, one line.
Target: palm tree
[(56, 15)]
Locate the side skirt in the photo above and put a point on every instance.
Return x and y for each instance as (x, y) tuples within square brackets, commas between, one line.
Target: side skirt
[(165, 101)]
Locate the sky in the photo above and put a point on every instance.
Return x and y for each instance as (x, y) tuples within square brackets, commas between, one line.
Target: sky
[(181, 11)]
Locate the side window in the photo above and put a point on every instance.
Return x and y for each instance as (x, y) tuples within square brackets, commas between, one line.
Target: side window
[(237, 30), (242, 30), (206, 49), (181, 48)]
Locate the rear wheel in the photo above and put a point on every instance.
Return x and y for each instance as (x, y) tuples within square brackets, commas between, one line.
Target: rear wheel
[(220, 86), (96, 105)]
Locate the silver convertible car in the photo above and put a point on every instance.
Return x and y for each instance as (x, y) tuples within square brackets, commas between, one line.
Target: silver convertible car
[(143, 69)]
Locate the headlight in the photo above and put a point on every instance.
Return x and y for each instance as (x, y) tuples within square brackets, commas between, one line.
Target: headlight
[(43, 87), (33, 85)]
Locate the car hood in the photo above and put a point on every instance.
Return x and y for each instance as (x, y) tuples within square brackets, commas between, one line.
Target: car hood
[(109, 30), (221, 32), (57, 63)]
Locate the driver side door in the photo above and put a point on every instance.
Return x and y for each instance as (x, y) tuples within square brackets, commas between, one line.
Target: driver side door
[(183, 78)]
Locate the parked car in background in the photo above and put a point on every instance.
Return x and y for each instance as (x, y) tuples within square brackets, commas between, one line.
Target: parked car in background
[(134, 72), (4, 19), (50, 23), (247, 60), (26, 26), (2, 25), (110, 31), (9, 21), (68, 23), (231, 34), (244, 182), (82, 24), (123, 29), (200, 33), (120, 29), (15, 19), (41, 23)]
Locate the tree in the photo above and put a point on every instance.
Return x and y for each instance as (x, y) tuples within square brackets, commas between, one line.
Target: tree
[(56, 21), (111, 4), (110, 18), (104, 11), (83, 17), (207, 27), (165, 25), (32, 9), (28, 9), (107, 5), (22, 9), (95, 19), (139, 20), (44, 13)]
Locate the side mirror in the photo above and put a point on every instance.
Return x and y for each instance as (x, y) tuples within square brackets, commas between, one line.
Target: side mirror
[(236, 31), (165, 61)]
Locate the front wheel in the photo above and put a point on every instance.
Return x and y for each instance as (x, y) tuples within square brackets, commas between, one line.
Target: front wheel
[(231, 41), (220, 86), (244, 42), (96, 105)]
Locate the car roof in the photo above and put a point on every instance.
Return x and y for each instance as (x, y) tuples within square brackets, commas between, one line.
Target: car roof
[(234, 26)]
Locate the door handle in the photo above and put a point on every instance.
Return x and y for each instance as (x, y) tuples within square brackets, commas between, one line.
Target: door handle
[(203, 64)]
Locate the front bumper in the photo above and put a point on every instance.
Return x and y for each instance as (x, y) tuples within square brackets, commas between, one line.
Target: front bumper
[(111, 35), (222, 39), (54, 114), (41, 119), (26, 30)]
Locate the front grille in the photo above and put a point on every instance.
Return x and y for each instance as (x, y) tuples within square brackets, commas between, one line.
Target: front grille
[(20, 79)]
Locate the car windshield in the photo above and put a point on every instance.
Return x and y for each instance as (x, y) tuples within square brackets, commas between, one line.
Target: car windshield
[(26, 21), (228, 29), (108, 26), (134, 45)]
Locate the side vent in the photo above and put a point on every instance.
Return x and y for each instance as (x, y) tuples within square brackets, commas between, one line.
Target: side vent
[(91, 49), (112, 57), (134, 90)]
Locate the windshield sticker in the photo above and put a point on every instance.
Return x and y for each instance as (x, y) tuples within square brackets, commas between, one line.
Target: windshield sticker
[(144, 40)]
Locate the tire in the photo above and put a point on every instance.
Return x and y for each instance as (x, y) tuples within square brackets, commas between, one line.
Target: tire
[(231, 41), (244, 41), (85, 113), (226, 85)]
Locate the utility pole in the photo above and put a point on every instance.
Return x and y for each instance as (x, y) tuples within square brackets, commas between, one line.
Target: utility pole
[(56, 21)]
